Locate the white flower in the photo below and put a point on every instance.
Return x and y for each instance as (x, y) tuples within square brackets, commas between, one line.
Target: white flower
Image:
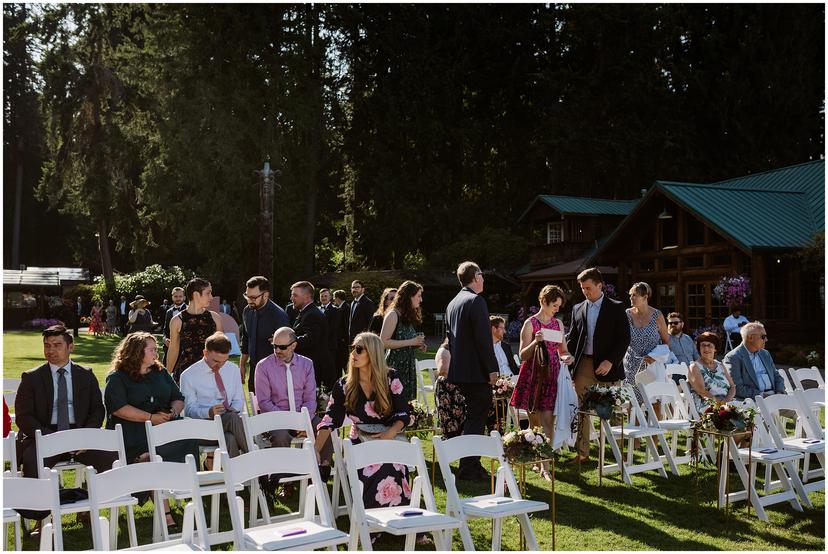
[(529, 436), (538, 439), (617, 401), (509, 436)]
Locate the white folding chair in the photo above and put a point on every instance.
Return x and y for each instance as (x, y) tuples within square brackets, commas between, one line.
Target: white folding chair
[(424, 390), (390, 519), (21, 493), (785, 379), (10, 386), (72, 440), (808, 374), (340, 473), (254, 404), (675, 419), (707, 442), (636, 428), (10, 453), (771, 409), (153, 476), (211, 482), (495, 506), (812, 402), (10, 517), (517, 359), (676, 369), (313, 528), (254, 427), (782, 461)]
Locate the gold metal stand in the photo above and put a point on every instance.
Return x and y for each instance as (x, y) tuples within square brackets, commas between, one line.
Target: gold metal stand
[(601, 451), (723, 440)]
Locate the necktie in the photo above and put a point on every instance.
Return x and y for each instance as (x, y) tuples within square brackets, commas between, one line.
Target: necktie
[(254, 338), (62, 401), (353, 309), (222, 390), (291, 400)]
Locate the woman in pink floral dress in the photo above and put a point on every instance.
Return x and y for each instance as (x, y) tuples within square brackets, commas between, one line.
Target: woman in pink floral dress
[(370, 393), (537, 390)]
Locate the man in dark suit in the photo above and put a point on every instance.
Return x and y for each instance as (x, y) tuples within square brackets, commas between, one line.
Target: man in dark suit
[(473, 365), (751, 366), (333, 315), (78, 315), (503, 350), (342, 346), (312, 333), (123, 315), (178, 306), (57, 396), (598, 338), (361, 311)]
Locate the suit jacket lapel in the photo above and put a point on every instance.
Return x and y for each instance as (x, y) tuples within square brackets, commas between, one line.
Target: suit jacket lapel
[(78, 383), (48, 386), (749, 365)]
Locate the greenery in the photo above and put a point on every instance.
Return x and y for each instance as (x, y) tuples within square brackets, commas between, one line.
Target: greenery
[(677, 513), (394, 127), (153, 282)]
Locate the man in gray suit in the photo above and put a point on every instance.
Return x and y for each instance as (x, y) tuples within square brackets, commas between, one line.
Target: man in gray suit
[(751, 366)]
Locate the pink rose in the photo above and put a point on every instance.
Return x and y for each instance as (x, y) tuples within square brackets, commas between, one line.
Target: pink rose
[(369, 470), (369, 409), (326, 420), (355, 419), (401, 468), (396, 386), (406, 489), (389, 493)]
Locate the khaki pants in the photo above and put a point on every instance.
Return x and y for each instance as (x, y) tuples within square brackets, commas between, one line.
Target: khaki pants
[(584, 378)]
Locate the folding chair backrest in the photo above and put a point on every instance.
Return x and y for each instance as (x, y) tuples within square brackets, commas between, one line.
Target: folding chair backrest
[(254, 402), (71, 440), (429, 364), (667, 392), (10, 384), (270, 421), (10, 452), (808, 374), (36, 494), (761, 435), (809, 401), (676, 369), (771, 409), (450, 450), (786, 380), (637, 416), (690, 403), (150, 476)]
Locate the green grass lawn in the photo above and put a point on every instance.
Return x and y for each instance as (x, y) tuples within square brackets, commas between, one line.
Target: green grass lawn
[(677, 513)]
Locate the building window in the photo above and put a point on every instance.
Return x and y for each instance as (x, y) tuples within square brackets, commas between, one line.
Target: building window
[(646, 265), (669, 236), (693, 261), (721, 259), (554, 232), (669, 263), (778, 296), (696, 306), (666, 297)]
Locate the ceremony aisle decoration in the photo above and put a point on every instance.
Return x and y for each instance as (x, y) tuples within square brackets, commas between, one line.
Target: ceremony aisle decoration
[(526, 445), (722, 417), (732, 290), (604, 400)]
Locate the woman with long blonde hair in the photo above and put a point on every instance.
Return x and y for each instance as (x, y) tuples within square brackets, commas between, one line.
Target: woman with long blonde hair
[(371, 395)]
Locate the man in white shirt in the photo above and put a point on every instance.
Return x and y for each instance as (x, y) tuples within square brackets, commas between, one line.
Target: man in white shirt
[(212, 386), (502, 349), (733, 323)]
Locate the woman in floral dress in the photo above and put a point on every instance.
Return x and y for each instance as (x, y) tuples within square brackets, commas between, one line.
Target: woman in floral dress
[(708, 377), (370, 392), (400, 337), (536, 390)]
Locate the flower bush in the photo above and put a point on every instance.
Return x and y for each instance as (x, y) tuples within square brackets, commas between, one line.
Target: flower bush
[(603, 400), (40, 324), (732, 290), (526, 445), (503, 388)]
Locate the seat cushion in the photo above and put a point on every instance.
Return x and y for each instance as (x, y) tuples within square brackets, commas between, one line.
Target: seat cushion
[(675, 424), (269, 537)]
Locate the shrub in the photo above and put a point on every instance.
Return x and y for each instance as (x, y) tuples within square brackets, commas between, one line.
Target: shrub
[(154, 282)]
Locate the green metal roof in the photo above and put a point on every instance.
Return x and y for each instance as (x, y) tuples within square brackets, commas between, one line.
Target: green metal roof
[(582, 206), (782, 208)]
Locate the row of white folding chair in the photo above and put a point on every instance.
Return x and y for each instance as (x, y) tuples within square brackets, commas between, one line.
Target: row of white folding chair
[(10, 517), (807, 374), (10, 386), (21, 493), (158, 477), (674, 418), (812, 402), (313, 527), (810, 443), (425, 390), (72, 440)]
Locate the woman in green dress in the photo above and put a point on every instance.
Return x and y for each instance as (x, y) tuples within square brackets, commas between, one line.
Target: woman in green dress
[(139, 389), (401, 338)]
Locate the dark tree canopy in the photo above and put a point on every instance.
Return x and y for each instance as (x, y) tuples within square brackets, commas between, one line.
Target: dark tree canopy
[(405, 134)]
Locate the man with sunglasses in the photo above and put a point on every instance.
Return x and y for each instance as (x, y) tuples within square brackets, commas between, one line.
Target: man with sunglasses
[(751, 366), (682, 345), (285, 381), (260, 319)]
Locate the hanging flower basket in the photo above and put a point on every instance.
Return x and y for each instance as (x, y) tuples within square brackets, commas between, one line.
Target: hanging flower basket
[(733, 290)]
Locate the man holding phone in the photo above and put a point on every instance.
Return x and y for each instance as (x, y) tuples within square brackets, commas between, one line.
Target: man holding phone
[(212, 386)]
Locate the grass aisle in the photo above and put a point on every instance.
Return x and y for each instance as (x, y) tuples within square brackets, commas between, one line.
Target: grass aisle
[(676, 513)]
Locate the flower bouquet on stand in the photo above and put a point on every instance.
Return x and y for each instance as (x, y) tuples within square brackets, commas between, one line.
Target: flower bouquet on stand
[(526, 445), (722, 417), (604, 400), (421, 418), (503, 388)]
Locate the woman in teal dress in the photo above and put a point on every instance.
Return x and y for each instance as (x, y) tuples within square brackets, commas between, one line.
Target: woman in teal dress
[(139, 389), (400, 337)]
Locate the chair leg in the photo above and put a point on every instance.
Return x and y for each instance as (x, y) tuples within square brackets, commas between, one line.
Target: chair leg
[(528, 532), (409, 542), (796, 482), (133, 535), (786, 485), (768, 478), (365, 538), (497, 534), (806, 464), (114, 512), (465, 536)]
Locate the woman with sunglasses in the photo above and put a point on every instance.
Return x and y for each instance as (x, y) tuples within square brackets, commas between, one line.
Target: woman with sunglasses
[(372, 396), (709, 378)]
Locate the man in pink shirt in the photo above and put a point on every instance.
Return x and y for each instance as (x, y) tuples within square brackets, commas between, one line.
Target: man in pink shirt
[(285, 381)]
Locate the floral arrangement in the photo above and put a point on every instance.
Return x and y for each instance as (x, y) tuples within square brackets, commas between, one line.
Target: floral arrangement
[(85, 320), (421, 417), (722, 416), (603, 400), (503, 388), (526, 445), (610, 291), (732, 290), (41, 323)]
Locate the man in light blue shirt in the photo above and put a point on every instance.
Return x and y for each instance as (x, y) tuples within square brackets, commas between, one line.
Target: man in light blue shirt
[(751, 366), (682, 346)]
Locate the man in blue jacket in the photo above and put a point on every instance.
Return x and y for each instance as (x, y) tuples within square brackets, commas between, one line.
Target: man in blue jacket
[(751, 366)]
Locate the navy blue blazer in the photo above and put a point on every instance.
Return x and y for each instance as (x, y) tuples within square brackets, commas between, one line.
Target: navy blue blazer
[(738, 363), (470, 339)]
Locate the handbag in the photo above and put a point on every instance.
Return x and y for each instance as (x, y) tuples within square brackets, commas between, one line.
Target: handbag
[(540, 368), (372, 431)]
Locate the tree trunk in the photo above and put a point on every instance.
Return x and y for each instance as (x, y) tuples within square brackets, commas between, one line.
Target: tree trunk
[(106, 259), (315, 136)]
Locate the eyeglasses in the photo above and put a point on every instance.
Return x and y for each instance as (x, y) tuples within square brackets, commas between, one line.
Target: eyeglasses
[(359, 349), (254, 298), (763, 337), (282, 346), (673, 322)]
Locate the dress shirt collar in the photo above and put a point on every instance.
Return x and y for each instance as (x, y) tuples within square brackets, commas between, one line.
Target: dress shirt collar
[(597, 303), (55, 368), (358, 298)]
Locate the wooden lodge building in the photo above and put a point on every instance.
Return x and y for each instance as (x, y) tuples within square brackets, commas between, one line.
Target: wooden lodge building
[(682, 238)]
